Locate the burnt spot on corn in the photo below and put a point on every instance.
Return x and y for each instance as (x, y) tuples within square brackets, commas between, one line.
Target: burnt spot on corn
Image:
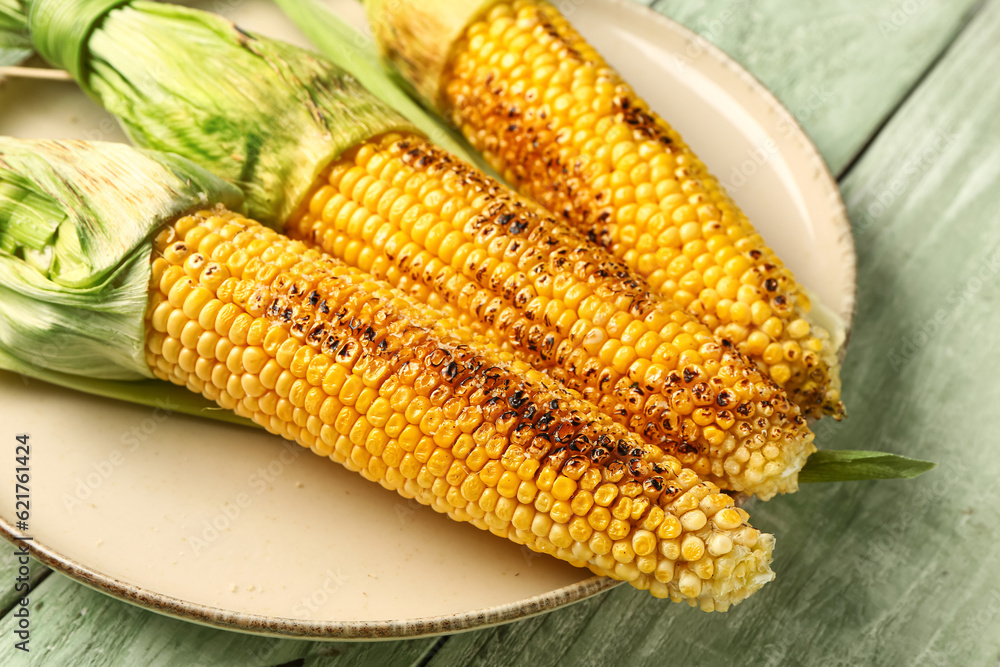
[(527, 279), (724, 398), (608, 165), (644, 124), (517, 399)]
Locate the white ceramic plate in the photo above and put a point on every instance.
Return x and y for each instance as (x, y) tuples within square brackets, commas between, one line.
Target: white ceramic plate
[(227, 526)]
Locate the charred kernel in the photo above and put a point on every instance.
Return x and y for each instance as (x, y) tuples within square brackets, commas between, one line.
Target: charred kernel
[(540, 289)]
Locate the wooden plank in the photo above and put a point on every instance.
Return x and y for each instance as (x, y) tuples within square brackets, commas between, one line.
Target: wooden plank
[(9, 576), (840, 67), (541, 641), (74, 625), (888, 572), (406, 653)]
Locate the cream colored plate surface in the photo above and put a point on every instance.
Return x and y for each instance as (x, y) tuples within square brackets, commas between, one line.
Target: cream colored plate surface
[(228, 526)]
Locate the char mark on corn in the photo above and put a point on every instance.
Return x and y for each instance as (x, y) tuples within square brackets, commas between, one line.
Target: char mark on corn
[(411, 214), (563, 127), (324, 355)]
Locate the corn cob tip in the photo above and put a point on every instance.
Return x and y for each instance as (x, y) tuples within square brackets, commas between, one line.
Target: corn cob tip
[(819, 396), (744, 569), (788, 480)]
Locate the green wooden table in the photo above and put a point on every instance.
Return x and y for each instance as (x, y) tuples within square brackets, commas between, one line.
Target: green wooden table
[(903, 99)]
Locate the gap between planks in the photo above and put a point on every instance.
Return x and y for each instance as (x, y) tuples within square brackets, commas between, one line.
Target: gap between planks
[(967, 19), (35, 580)]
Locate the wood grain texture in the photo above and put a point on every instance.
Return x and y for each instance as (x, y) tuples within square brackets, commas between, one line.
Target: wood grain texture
[(896, 572), (73, 625), (841, 67), (9, 565)]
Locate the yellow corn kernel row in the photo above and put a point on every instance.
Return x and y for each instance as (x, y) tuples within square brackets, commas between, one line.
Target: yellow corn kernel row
[(563, 127), (324, 355), (407, 212)]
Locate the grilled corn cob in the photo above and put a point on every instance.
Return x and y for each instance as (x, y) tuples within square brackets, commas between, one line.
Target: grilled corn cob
[(402, 209), (563, 127), (324, 355), (378, 196)]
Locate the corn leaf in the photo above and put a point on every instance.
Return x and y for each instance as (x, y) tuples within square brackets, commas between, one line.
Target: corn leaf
[(355, 53), (15, 44), (829, 465)]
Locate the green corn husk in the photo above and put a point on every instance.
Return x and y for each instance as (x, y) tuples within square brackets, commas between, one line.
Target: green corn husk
[(15, 43), (850, 466), (76, 221), (262, 114), (348, 49), (355, 52), (415, 38)]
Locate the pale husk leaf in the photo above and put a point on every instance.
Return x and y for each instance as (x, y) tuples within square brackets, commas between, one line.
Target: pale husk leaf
[(76, 221), (416, 38), (355, 52), (15, 44), (262, 114)]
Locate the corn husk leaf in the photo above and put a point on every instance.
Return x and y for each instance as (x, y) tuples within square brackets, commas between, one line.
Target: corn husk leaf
[(355, 52), (76, 221), (828, 465), (416, 38), (15, 44), (262, 114)]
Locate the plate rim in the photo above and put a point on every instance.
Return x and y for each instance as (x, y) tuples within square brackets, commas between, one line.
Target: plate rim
[(258, 624), (328, 630)]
